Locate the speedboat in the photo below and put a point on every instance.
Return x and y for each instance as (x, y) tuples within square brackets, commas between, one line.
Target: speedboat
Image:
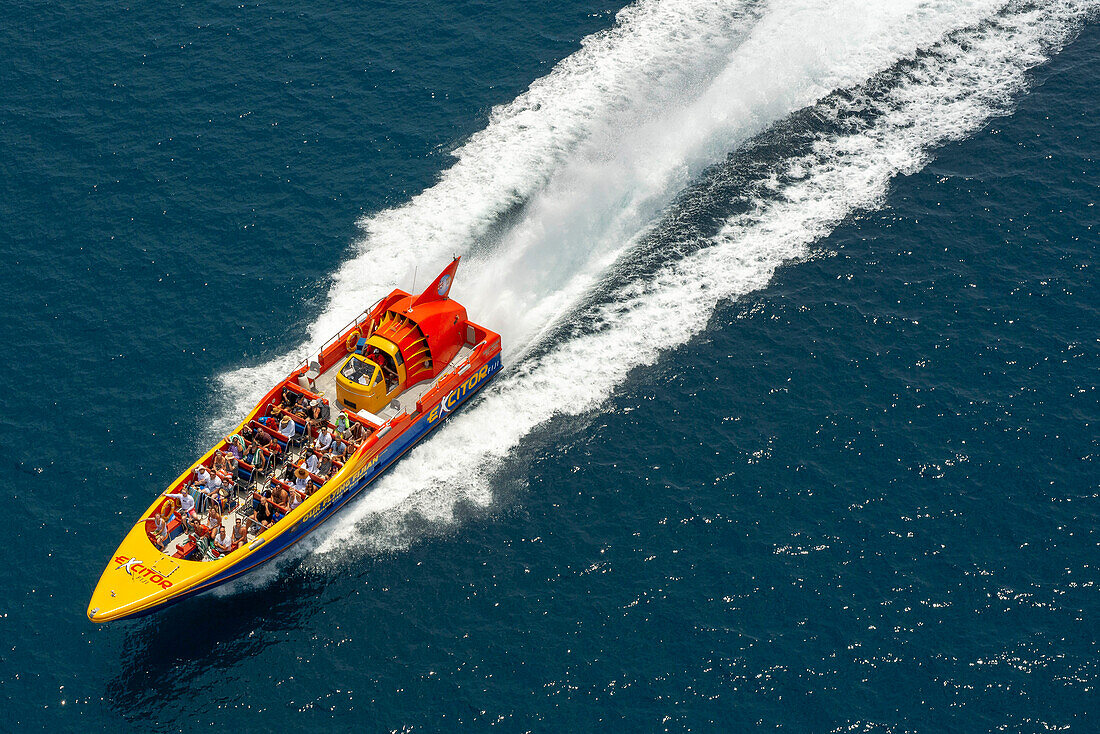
[(315, 441)]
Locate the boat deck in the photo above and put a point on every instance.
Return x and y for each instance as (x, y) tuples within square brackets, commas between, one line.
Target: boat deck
[(325, 385), (242, 496)]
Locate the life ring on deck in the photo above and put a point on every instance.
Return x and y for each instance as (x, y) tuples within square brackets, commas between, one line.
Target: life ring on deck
[(353, 339)]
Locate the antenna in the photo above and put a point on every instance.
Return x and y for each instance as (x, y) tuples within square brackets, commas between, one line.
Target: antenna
[(414, 278)]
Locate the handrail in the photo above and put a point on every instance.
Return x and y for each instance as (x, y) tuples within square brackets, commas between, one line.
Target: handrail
[(355, 321)]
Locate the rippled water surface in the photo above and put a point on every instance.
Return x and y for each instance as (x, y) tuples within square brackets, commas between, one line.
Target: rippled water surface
[(799, 424)]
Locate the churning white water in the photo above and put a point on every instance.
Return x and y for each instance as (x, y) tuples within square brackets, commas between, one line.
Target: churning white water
[(594, 153)]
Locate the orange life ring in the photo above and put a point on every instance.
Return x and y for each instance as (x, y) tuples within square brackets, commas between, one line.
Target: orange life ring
[(353, 338)]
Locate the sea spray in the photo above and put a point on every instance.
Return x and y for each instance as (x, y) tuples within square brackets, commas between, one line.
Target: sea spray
[(589, 203), (955, 88)]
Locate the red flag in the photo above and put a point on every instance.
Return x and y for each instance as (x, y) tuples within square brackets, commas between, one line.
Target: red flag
[(440, 287)]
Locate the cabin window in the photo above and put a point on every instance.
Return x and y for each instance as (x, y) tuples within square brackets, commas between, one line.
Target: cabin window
[(360, 371), (389, 367)]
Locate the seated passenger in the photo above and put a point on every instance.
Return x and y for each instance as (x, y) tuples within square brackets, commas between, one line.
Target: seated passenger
[(222, 541), (160, 531), (235, 445), (262, 439), (357, 433), (296, 498), (201, 491), (324, 439), (314, 416), (263, 517), (202, 476), (213, 521), (258, 497), (240, 534), (220, 498), (221, 461), (312, 462), (208, 495), (288, 427), (186, 510), (276, 511), (289, 398), (258, 460), (280, 497), (339, 449), (301, 480), (342, 425), (326, 468)]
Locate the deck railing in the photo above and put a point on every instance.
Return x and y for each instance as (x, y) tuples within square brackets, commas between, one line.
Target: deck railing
[(357, 321)]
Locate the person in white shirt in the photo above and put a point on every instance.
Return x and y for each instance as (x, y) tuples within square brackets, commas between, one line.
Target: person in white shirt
[(213, 492), (202, 476), (312, 462), (222, 541), (187, 508), (324, 439), (287, 426), (301, 480)]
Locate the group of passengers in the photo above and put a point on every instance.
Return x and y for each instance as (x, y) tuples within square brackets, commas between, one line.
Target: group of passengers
[(296, 419), (321, 457), (213, 488)]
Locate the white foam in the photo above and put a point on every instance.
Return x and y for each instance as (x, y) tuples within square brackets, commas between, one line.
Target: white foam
[(653, 50), (599, 147), (603, 198), (947, 95)]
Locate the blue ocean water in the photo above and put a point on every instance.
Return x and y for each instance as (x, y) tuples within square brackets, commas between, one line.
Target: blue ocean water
[(799, 429)]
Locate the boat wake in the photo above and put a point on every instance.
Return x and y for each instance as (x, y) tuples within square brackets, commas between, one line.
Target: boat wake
[(605, 164)]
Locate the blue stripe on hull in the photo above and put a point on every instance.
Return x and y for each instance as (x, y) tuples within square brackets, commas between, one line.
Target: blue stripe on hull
[(385, 458)]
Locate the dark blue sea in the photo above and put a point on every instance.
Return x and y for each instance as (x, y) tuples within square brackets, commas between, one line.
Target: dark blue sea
[(798, 428)]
